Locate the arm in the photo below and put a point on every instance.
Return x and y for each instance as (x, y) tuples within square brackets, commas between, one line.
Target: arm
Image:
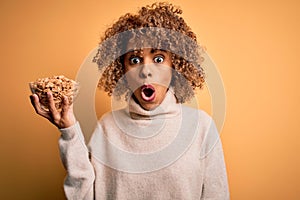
[(80, 177), (74, 153), (215, 184)]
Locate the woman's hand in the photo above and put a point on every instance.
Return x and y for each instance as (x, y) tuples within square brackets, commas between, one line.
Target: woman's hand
[(63, 119)]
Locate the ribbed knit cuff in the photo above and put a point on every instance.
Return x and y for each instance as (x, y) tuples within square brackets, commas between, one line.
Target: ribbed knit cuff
[(70, 132)]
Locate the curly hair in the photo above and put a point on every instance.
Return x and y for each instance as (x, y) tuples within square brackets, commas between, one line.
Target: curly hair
[(159, 25)]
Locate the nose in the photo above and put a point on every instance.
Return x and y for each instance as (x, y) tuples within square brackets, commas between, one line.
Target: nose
[(146, 71)]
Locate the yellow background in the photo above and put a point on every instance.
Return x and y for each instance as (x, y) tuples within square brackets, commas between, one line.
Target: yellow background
[(255, 45)]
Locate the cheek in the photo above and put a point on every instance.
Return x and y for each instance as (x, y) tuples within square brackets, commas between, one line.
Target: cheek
[(126, 67), (131, 76), (165, 77)]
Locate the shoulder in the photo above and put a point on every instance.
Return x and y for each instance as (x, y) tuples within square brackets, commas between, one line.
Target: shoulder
[(111, 115), (113, 120), (107, 124), (201, 123), (202, 117)]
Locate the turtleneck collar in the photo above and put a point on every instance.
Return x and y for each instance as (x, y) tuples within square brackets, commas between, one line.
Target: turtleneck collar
[(168, 108)]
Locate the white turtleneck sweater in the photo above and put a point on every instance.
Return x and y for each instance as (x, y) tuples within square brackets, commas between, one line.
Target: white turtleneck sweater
[(173, 152)]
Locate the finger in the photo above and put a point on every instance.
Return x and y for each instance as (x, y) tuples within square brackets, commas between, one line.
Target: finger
[(35, 102), (67, 114), (37, 106), (53, 111), (65, 107)]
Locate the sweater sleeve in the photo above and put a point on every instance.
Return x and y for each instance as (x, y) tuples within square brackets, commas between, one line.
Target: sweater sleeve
[(79, 182), (215, 184)]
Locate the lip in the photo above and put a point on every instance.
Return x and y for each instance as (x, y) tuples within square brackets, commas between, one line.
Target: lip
[(144, 96)]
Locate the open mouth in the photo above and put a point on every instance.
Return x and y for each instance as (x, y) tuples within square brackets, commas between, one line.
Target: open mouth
[(148, 92)]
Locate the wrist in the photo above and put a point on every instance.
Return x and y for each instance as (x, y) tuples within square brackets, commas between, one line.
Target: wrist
[(69, 132), (66, 123)]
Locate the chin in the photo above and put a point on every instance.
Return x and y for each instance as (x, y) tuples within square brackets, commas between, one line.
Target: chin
[(149, 106)]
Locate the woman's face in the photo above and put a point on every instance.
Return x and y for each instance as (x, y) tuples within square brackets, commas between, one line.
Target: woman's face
[(148, 73)]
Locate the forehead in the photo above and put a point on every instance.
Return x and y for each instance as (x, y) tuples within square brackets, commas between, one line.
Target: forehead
[(145, 43), (146, 51)]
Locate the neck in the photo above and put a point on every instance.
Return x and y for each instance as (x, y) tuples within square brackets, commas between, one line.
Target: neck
[(167, 108)]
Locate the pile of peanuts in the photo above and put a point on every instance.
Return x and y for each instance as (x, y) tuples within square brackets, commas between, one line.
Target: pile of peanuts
[(60, 86)]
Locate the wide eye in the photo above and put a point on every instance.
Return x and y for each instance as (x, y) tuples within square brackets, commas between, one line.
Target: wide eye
[(135, 60), (158, 59)]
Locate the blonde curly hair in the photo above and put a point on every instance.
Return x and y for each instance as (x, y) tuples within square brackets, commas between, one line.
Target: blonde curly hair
[(165, 29)]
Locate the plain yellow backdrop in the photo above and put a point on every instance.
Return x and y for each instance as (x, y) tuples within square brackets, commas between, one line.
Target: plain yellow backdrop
[(255, 45)]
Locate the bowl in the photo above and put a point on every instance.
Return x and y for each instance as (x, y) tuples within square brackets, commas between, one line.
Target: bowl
[(59, 86)]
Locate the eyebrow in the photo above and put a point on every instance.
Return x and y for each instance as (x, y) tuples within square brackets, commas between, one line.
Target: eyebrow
[(152, 50), (131, 50), (156, 50)]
